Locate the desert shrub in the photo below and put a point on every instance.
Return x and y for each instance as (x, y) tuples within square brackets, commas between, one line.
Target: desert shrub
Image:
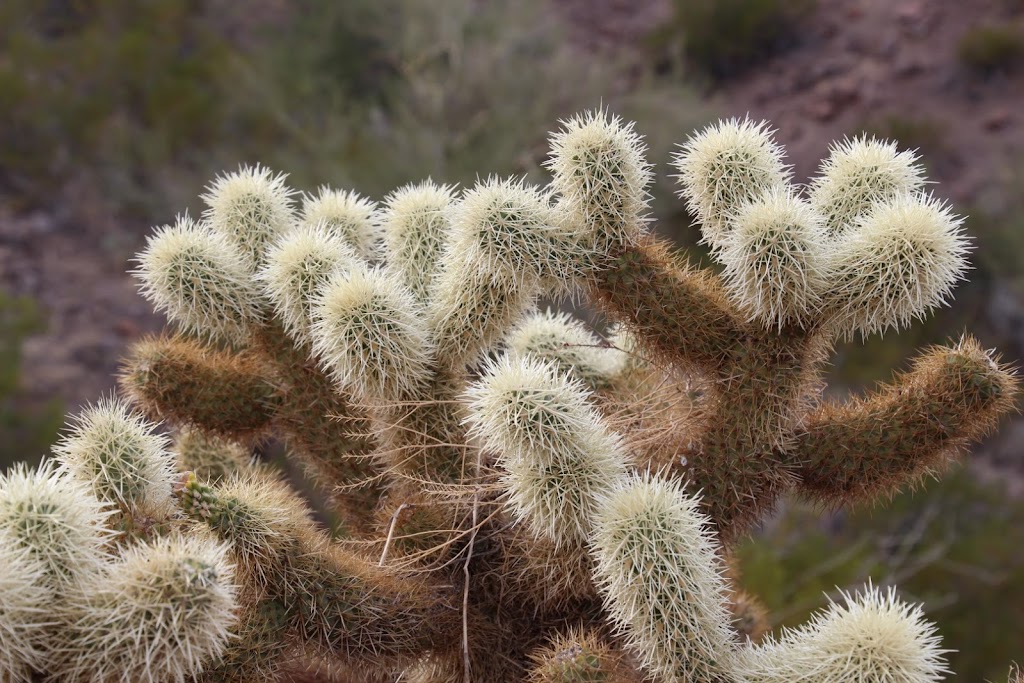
[(722, 38), (25, 431), (436, 83), (159, 96), (85, 83), (992, 49)]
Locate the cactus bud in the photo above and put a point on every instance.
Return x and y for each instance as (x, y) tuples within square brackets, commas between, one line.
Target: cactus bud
[(558, 456), (369, 332), (900, 261), (259, 517), (416, 224), (298, 265), (211, 457), (774, 259), (163, 612), (598, 168), (872, 637), (60, 524), (346, 215), (508, 227), (658, 568)]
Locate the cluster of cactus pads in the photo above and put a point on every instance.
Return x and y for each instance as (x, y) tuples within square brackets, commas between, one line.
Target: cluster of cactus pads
[(521, 498)]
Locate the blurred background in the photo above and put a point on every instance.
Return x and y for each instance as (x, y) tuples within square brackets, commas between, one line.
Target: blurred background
[(114, 114)]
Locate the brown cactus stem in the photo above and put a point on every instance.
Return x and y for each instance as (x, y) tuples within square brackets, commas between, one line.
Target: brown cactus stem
[(758, 394), (261, 649), (581, 655), (758, 380), (338, 602), (421, 437), (368, 615), (184, 382), (329, 435), (679, 312), (912, 427)]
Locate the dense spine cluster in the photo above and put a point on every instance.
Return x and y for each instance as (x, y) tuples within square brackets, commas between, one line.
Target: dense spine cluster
[(520, 498)]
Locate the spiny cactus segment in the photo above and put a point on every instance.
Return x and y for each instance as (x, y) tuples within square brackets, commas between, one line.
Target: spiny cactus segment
[(521, 498)]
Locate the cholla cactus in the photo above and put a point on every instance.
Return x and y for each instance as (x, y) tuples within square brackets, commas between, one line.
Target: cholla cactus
[(523, 499)]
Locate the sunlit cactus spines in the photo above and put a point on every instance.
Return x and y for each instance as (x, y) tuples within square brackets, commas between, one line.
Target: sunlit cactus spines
[(508, 227), (298, 265), (775, 260), (657, 565), (415, 221), (249, 208), (901, 259), (200, 280), (599, 170), (160, 613), (511, 495), (871, 636), (58, 521), (723, 167), (24, 611), (120, 457), (354, 219), (558, 457), (370, 332), (858, 173), (570, 344)]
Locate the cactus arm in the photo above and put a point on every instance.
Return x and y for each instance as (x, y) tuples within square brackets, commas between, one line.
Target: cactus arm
[(874, 446), (679, 313), (339, 602), (183, 382), (580, 656)]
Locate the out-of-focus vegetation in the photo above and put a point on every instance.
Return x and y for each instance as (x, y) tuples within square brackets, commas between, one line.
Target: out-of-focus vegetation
[(992, 49), (723, 38), (149, 100), (111, 88), (956, 545), (25, 433), (463, 89)]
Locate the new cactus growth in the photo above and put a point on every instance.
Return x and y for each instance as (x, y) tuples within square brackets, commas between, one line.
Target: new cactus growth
[(522, 499)]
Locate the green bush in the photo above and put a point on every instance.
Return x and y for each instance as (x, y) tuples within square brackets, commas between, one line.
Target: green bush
[(148, 99), (83, 83), (934, 544), (25, 432), (724, 37), (434, 83), (992, 49)]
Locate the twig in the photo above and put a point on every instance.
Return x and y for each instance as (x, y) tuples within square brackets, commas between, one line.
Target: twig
[(465, 572), (391, 533)]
